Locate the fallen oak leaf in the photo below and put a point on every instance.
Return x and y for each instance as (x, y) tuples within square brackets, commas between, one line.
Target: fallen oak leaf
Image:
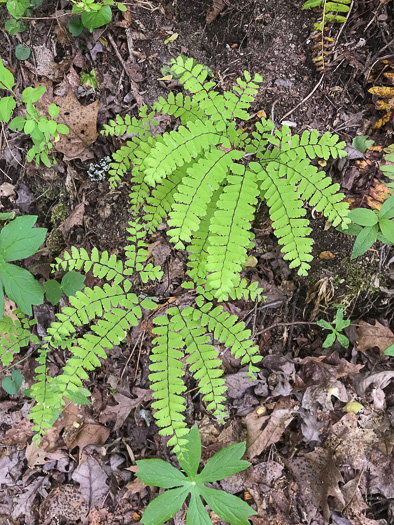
[(90, 434), (92, 482), (65, 501), (370, 336)]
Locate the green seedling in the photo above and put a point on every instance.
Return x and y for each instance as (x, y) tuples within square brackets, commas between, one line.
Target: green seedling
[(19, 240), (159, 473), (370, 226), (93, 14), (71, 283), (41, 129), (336, 330), (12, 384), (18, 9)]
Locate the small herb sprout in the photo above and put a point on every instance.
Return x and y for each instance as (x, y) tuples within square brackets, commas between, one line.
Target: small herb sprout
[(71, 283), (159, 473), (93, 14), (12, 384), (370, 226), (340, 324), (98, 171)]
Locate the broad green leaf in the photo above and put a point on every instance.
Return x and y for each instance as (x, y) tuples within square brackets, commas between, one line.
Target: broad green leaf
[(324, 324), (387, 227), (343, 340), (19, 239), (329, 341), (165, 506), (12, 384), (7, 106), (75, 26), (22, 52), (72, 283), (363, 217), (17, 8), (93, 19), (21, 287), (196, 513), (53, 291), (312, 3), (53, 110), (338, 317), (228, 507), (389, 350), (352, 229), (6, 77), (190, 455), (387, 209), (1, 299), (361, 143), (159, 473), (13, 26), (364, 241), (63, 129), (17, 123), (224, 463), (31, 94)]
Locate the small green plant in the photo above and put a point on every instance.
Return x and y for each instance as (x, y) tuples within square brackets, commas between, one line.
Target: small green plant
[(159, 473), (12, 384), (336, 330), (18, 9), (370, 226), (18, 240), (93, 14), (71, 283), (41, 129), (89, 79)]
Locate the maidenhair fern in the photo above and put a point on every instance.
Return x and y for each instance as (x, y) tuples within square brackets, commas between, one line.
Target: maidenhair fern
[(205, 179)]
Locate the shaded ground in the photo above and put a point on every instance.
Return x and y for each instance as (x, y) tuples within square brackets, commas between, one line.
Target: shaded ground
[(313, 459)]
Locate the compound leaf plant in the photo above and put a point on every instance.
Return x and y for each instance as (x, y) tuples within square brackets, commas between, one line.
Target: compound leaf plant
[(159, 473), (205, 178)]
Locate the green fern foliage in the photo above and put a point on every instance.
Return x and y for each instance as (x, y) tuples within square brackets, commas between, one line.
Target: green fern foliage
[(202, 181)]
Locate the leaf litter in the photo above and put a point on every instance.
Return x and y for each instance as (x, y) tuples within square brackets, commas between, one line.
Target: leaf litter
[(312, 461)]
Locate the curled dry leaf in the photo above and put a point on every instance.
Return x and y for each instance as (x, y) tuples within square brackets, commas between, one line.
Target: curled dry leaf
[(92, 482), (74, 219), (263, 431), (82, 122), (370, 336), (65, 501), (125, 405), (37, 456), (318, 478), (90, 434)]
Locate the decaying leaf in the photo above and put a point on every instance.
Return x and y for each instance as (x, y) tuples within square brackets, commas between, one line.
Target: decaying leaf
[(318, 478), (321, 293), (386, 93), (263, 430), (323, 392), (327, 256), (82, 122), (125, 405), (92, 482), (378, 193), (46, 65), (217, 8), (74, 219), (23, 504), (37, 456), (91, 434), (65, 501), (19, 433), (370, 336)]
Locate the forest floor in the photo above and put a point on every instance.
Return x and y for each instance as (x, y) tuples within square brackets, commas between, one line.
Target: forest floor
[(315, 457)]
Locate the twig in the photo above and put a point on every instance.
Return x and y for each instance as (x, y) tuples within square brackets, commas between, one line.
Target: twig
[(305, 99), (133, 84), (294, 323)]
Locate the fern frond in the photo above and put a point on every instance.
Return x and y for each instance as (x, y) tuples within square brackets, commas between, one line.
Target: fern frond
[(203, 361), (136, 126), (184, 108), (167, 384), (228, 330), (195, 192), (137, 254), (246, 291), (246, 91), (103, 266), (230, 234), (180, 147), (286, 211), (14, 335)]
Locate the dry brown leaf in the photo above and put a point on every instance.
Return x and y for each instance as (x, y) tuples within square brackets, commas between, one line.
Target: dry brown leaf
[(90, 434), (92, 481), (217, 8), (261, 435), (82, 122), (318, 478), (38, 456), (7, 190), (386, 94), (120, 412), (65, 501), (46, 65), (74, 219), (321, 293), (134, 487), (19, 433), (327, 256), (370, 336), (377, 194)]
